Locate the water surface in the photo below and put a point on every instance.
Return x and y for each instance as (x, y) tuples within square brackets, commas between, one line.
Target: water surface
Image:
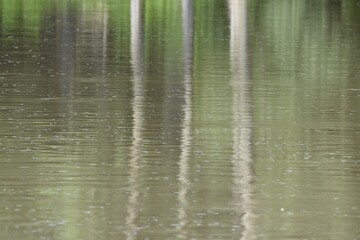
[(179, 119)]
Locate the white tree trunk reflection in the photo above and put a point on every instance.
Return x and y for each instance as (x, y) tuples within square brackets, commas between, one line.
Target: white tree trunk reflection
[(242, 158), (137, 58), (188, 52)]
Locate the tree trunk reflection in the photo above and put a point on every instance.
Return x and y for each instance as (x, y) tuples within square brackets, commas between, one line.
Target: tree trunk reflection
[(242, 159), (137, 59), (188, 54)]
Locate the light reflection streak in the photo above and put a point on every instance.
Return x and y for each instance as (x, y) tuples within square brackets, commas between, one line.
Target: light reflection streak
[(242, 159), (188, 48), (137, 58)]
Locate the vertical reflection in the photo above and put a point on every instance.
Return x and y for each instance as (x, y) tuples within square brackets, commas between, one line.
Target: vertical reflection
[(67, 49), (188, 48), (137, 59), (104, 23), (242, 117), (1, 21)]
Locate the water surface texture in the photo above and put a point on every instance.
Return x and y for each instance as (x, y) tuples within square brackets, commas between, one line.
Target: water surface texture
[(179, 119)]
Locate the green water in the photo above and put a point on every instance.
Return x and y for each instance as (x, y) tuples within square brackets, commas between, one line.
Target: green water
[(179, 119)]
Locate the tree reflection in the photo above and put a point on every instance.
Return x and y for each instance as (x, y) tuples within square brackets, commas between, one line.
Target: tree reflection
[(137, 59), (186, 139), (242, 159)]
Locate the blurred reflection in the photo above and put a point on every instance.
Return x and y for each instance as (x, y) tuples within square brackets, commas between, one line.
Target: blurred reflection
[(242, 159), (93, 31), (137, 59), (67, 49), (92, 146), (188, 52)]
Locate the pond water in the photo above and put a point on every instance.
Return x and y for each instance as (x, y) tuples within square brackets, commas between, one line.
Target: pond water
[(179, 119)]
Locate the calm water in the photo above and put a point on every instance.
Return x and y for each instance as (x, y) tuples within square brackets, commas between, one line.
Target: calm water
[(179, 119)]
